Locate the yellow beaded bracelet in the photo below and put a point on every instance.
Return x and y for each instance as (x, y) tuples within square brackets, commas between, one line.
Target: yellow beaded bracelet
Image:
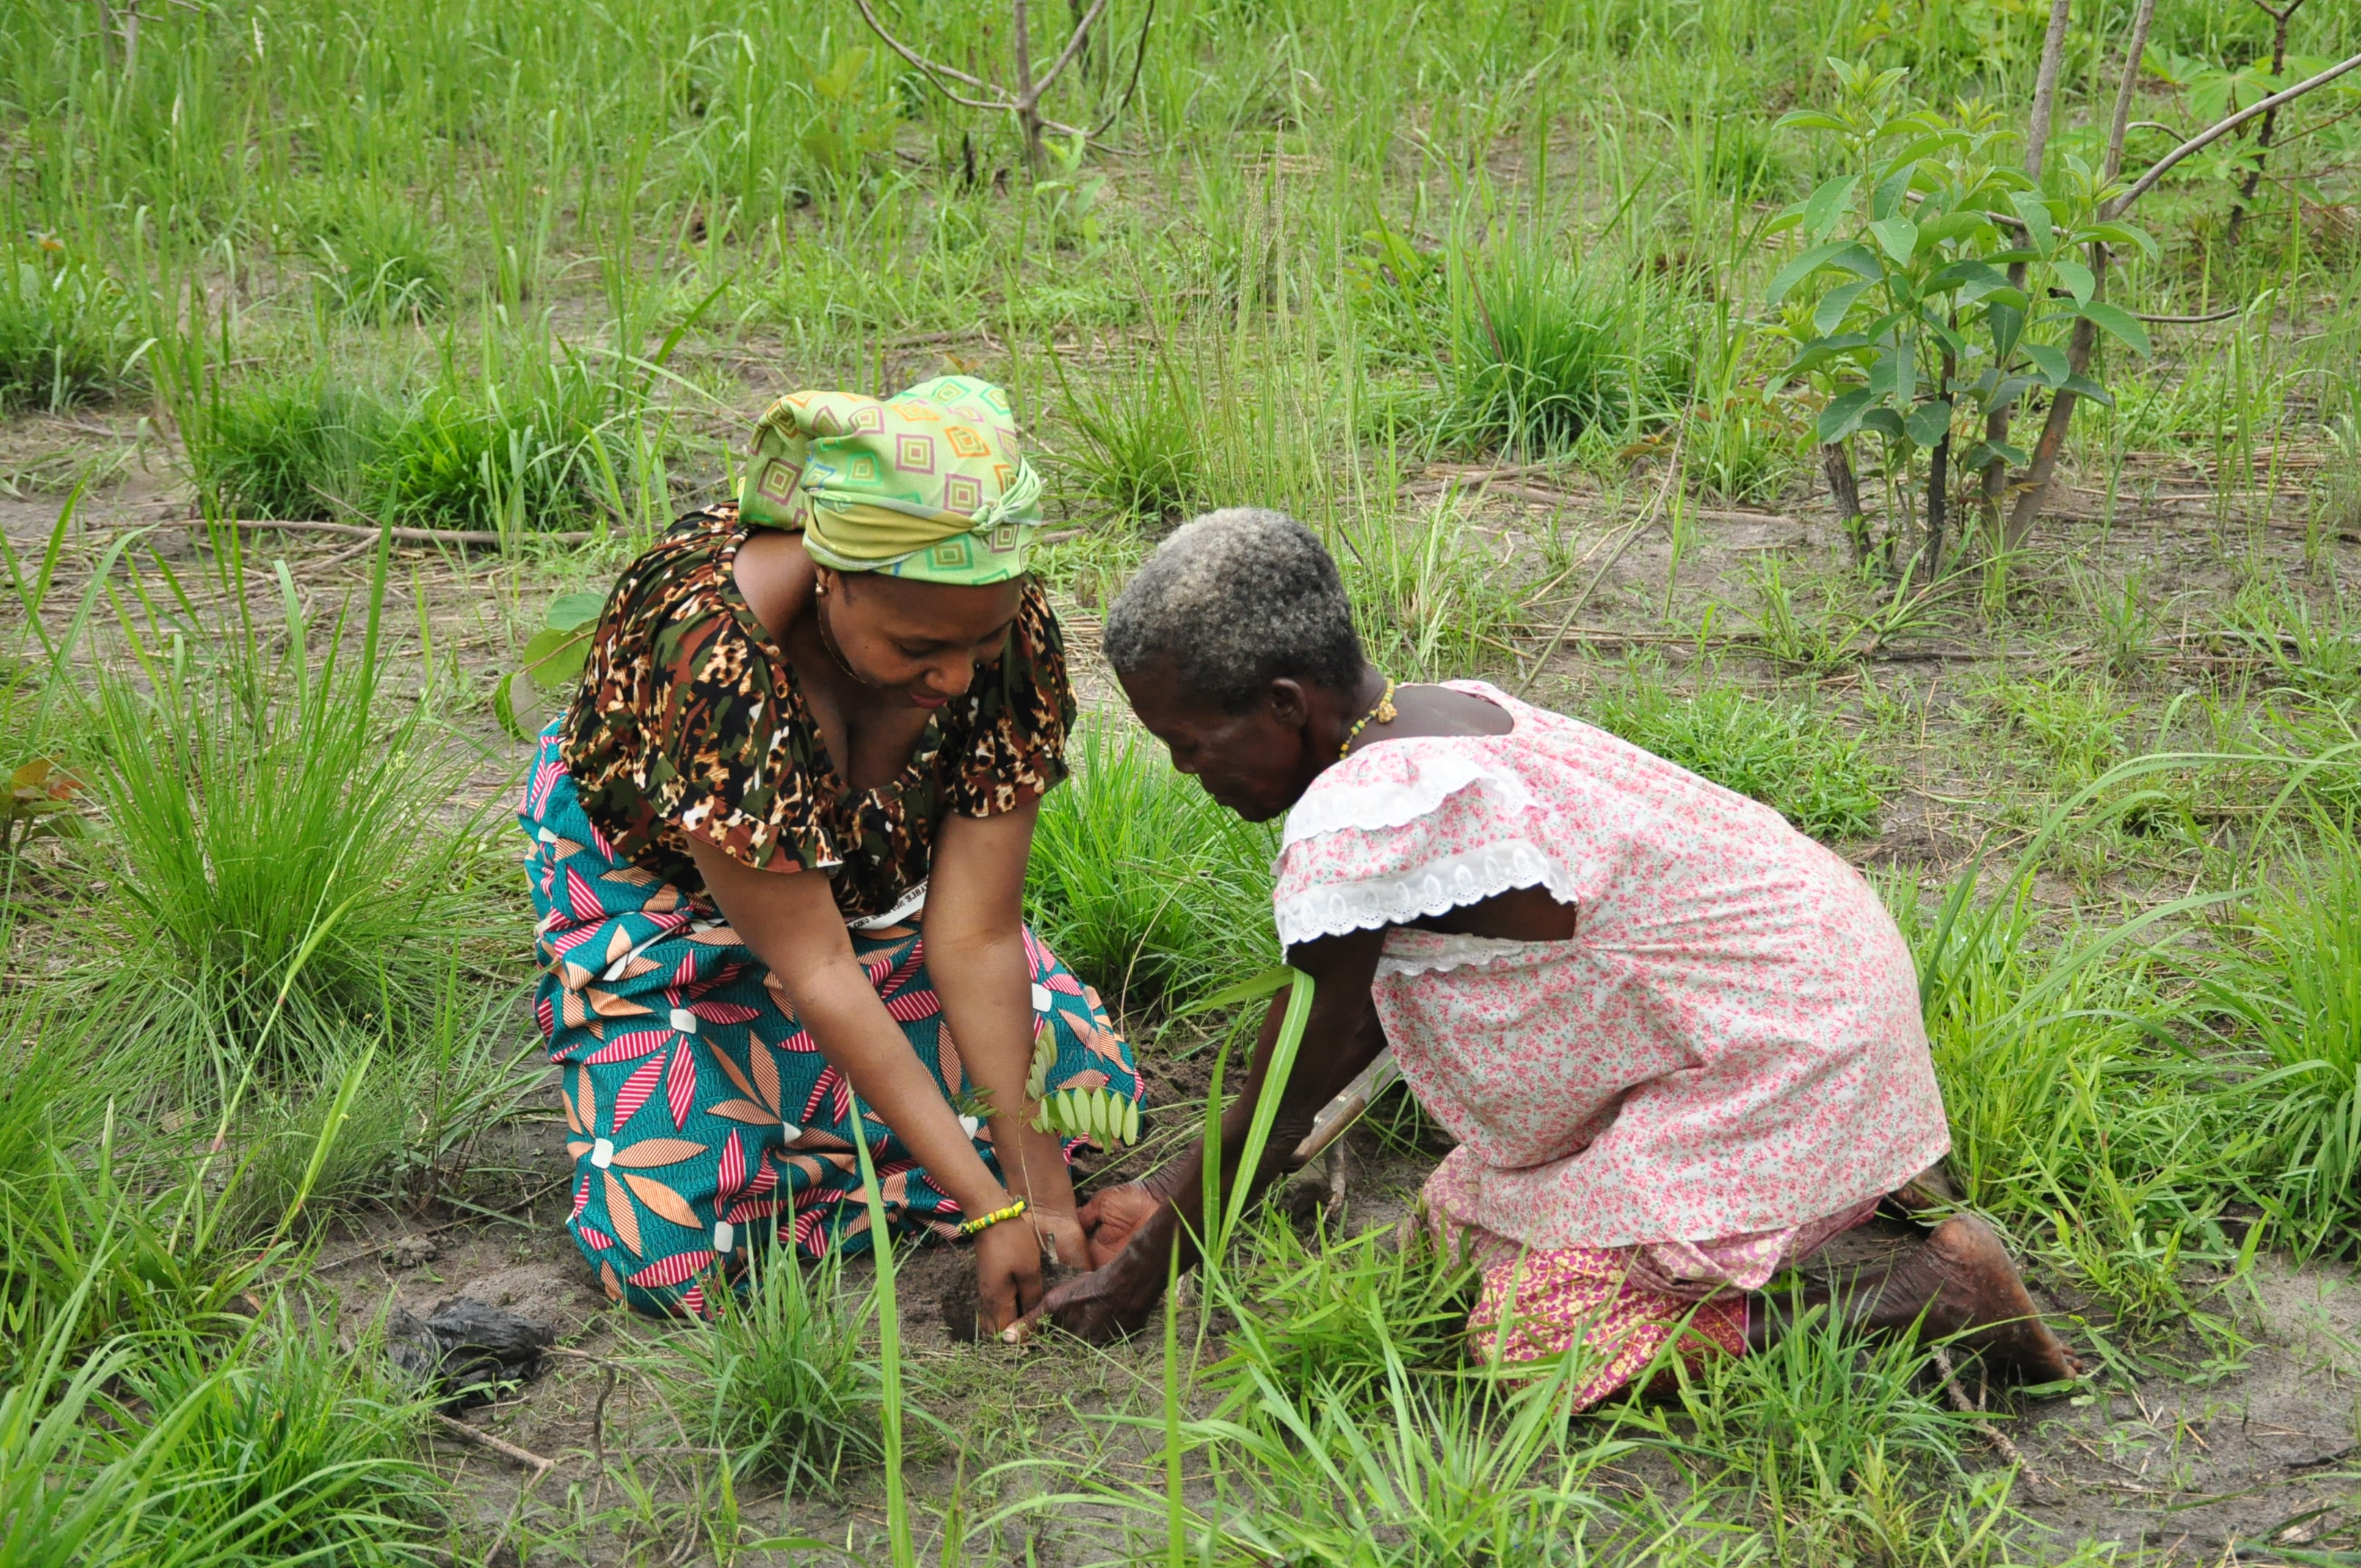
[(983, 1222)]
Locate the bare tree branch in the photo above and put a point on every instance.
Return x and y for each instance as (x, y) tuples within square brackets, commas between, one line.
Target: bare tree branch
[(2253, 182), (1139, 59), (2208, 317), (932, 68), (2222, 127), (2120, 124), (1073, 47)]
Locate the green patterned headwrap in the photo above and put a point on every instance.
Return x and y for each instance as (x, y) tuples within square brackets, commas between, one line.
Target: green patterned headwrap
[(926, 483)]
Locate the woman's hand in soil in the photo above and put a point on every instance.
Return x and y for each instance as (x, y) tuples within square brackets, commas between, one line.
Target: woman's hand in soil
[(1106, 1303), (1112, 1216), (1007, 1273)]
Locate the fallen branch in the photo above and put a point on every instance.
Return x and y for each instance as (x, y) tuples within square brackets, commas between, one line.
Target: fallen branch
[(521, 1457), (2190, 320), (1655, 504), (463, 537), (1347, 1107), (2001, 1442)]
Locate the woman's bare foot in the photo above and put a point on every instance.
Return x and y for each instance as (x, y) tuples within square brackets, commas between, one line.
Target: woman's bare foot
[(1961, 1280)]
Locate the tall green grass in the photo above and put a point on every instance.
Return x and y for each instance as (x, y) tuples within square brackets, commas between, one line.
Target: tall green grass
[(2290, 985), (1787, 754), (178, 1450), (1542, 352), (283, 863), (289, 449), (782, 1380), (1144, 887)]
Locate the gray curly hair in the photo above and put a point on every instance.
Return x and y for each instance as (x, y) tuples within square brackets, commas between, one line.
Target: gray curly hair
[(1238, 599)]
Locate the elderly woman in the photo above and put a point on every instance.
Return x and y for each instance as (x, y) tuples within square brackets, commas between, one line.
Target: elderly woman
[(1679, 1043), (779, 846)]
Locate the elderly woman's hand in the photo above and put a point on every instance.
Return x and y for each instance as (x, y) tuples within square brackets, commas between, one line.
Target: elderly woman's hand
[(1106, 1303), (1112, 1216)]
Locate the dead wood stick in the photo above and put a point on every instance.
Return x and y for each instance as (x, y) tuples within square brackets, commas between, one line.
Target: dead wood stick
[(1351, 1100), (1672, 477), (459, 536), (2220, 128), (520, 1206), (2001, 1442), (521, 1457)]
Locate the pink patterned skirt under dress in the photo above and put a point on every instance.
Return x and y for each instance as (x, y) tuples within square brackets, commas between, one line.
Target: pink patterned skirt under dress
[(1622, 1304)]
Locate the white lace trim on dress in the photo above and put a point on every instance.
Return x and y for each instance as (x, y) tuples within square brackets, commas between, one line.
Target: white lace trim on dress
[(1389, 803), (1451, 950), (1336, 909)]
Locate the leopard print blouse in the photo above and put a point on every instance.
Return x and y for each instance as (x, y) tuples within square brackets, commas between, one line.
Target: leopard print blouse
[(689, 721)]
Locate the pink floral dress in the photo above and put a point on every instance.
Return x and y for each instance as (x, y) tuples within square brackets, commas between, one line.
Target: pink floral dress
[(1721, 1069)]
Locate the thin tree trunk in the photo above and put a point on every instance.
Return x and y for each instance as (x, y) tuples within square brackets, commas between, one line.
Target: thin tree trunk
[(1938, 501), (2037, 150), (1844, 489), (1029, 114), (2045, 87), (2033, 490), (2254, 180)]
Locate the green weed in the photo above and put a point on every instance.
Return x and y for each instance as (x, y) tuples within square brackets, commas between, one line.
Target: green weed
[(2292, 987), (2076, 724), (1139, 452), (2075, 1116), (782, 1380), (282, 866), (285, 448), (1139, 882), (1783, 754), (66, 332), (281, 1447), (1337, 1314), (1430, 598), (379, 262), (1541, 354)]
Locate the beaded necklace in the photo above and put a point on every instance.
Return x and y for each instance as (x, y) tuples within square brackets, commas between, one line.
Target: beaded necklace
[(1383, 713)]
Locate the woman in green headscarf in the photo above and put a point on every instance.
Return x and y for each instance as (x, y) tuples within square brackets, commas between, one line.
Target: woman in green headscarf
[(779, 846)]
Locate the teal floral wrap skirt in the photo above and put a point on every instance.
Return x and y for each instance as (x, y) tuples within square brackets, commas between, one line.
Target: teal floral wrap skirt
[(705, 1121)]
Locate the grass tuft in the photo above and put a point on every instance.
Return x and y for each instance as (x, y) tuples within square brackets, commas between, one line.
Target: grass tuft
[(1139, 882), (781, 1380), (65, 331), (2293, 987), (287, 449), (1783, 754), (280, 861)]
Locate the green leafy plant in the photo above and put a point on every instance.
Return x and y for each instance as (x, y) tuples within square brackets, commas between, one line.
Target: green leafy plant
[(1956, 274), (848, 133), (553, 657)]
